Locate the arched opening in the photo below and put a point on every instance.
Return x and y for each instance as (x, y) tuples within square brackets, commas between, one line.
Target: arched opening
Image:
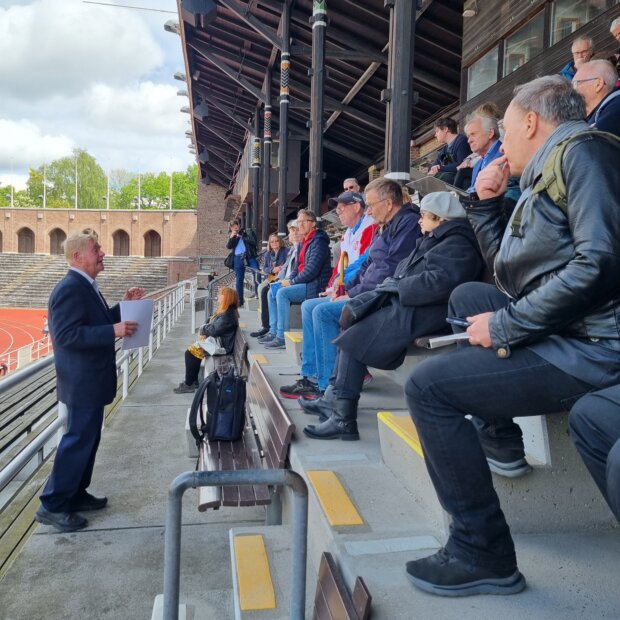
[(120, 243), (152, 244), (25, 241), (57, 238)]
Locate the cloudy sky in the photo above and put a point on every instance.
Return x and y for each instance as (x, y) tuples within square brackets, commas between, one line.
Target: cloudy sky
[(98, 78)]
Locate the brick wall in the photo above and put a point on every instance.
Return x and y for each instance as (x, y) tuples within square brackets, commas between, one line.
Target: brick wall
[(177, 229), (212, 226)]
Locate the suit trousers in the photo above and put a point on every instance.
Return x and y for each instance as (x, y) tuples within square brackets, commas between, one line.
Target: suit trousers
[(75, 459)]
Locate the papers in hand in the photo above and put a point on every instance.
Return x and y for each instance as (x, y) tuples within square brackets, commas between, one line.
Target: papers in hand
[(444, 341), (140, 311)]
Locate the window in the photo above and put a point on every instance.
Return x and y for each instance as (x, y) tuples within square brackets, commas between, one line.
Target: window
[(570, 15), (482, 74), (524, 44)]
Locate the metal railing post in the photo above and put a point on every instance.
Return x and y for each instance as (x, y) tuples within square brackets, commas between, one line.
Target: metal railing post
[(158, 323), (192, 305), (125, 377), (140, 361), (272, 477)]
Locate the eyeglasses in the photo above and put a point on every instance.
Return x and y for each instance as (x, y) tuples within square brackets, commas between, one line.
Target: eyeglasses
[(340, 205), (582, 52), (300, 221), (577, 82), (372, 204)]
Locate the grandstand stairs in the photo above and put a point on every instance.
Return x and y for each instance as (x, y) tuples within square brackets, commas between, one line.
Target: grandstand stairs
[(26, 280), (370, 515)]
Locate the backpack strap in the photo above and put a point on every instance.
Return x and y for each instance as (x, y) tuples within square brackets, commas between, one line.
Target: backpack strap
[(551, 180), (195, 408)]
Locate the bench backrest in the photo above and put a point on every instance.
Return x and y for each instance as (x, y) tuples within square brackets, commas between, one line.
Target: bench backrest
[(273, 425), (240, 353), (332, 599)]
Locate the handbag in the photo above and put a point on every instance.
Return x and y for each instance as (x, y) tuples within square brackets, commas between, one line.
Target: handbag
[(212, 346), (229, 261), (364, 304)]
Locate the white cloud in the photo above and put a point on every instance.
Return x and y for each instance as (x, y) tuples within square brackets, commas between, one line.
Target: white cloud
[(24, 144), (64, 46), (144, 108)]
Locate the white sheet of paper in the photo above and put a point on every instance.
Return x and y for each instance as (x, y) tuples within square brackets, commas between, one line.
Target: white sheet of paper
[(444, 341), (140, 311)]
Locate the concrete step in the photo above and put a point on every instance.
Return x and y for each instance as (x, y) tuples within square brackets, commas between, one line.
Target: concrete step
[(261, 573), (556, 497)]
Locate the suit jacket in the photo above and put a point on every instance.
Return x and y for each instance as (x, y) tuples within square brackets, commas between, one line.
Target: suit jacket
[(81, 327)]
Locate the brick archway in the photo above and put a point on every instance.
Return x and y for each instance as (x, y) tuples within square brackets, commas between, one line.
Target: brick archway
[(57, 238), (25, 241), (120, 243), (152, 244)]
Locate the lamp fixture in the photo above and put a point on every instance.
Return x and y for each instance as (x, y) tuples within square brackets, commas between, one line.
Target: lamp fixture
[(472, 11)]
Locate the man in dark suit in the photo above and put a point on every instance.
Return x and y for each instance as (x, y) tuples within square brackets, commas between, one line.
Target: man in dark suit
[(83, 330)]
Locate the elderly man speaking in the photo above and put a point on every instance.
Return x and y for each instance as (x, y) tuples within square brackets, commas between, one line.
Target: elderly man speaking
[(547, 334), (83, 329)]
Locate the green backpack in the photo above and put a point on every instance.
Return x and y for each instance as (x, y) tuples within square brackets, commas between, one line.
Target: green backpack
[(551, 180)]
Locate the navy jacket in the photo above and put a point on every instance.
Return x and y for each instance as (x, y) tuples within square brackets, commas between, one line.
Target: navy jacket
[(81, 327), (270, 263), (387, 249), (317, 266), (451, 155), (606, 115)]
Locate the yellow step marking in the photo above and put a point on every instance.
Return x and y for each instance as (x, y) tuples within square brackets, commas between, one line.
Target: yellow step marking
[(295, 337), (253, 573), (403, 426), (259, 357), (335, 501)]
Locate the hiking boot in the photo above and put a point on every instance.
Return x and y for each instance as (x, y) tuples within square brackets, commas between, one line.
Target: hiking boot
[(268, 337), (276, 343), (445, 575), (183, 388), (261, 332), (341, 425), (302, 387)]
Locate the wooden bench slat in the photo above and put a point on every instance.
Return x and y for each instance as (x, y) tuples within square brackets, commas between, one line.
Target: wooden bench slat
[(332, 599), (361, 599), (208, 497), (230, 495), (241, 461)]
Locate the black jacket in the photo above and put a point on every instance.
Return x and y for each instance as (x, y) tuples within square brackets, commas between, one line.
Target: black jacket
[(440, 262), (249, 239), (317, 265), (223, 326)]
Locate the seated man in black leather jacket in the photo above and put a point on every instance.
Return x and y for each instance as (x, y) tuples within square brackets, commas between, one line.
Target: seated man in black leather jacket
[(548, 333)]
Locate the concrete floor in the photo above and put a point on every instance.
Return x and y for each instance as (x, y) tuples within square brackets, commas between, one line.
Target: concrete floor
[(114, 568)]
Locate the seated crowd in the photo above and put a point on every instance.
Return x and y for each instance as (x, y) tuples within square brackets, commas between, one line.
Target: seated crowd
[(543, 337)]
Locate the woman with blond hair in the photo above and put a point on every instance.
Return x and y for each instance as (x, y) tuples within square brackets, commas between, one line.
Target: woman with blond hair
[(222, 325)]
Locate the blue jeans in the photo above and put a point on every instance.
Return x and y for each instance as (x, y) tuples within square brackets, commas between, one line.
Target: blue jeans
[(474, 381), (319, 319), (239, 267), (595, 428), (280, 307)]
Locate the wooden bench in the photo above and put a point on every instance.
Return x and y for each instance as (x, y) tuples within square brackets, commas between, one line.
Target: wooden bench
[(264, 445), (239, 357), (332, 598)]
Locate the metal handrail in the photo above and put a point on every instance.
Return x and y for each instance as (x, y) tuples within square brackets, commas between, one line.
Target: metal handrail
[(272, 477), (169, 303)]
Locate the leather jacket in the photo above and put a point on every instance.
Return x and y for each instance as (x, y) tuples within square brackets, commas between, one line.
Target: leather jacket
[(560, 269), (223, 326)]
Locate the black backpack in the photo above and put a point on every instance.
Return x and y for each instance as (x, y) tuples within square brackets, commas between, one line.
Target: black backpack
[(225, 396)]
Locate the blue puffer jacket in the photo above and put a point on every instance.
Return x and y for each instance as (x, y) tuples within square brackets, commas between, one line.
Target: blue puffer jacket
[(317, 266)]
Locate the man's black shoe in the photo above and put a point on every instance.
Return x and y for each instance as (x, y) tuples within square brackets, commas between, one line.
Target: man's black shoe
[(62, 521), (302, 387), (87, 502), (445, 575), (260, 332), (505, 460)]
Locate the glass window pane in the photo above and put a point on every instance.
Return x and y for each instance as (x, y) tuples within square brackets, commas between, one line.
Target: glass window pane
[(569, 15), (524, 44), (482, 73)]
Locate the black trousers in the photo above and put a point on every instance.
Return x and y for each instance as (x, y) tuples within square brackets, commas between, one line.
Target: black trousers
[(192, 368)]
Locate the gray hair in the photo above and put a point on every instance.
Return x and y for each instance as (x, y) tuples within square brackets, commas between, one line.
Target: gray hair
[(292, 224), (552, 97), (388, 189), (351, 180), (605, 70), (77, 242), (488, 122), (584, 39), (614, 24), (311, 215)]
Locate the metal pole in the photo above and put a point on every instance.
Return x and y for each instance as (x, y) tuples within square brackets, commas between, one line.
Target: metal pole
[(107, 197), (317, 88), (76, 183), (170, 197), (273, 477), (266, 158), (256, 173), (285, 65), (44, 186), (399, 94)]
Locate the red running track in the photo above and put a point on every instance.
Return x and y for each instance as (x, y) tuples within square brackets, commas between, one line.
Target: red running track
[(19, 327)]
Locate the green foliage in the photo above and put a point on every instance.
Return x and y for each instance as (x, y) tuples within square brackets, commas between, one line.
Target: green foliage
[(127, 190)]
